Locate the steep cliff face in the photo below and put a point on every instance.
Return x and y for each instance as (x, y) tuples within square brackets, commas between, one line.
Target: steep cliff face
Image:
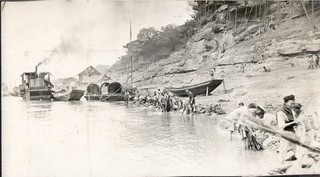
[(283, 44)]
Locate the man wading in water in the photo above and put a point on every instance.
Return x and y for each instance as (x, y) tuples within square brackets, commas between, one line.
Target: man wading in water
[(247, 133), (234, 116), (126, 96), (286, 121), (191, 101)]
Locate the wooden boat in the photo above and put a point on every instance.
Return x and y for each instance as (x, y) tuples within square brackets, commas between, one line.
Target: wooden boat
[(72, 95), (200, 88), (113, 91), (36, 86)]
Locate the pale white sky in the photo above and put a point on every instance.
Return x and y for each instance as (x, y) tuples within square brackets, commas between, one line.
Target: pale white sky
[(74, 35)]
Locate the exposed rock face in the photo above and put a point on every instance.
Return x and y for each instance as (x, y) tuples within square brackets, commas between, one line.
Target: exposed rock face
[(244, 50)]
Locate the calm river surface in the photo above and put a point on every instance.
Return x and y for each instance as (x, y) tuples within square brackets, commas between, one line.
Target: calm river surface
[(86, 139)]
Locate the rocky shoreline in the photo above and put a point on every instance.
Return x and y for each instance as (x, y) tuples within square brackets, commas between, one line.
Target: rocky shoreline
[(260, 63)]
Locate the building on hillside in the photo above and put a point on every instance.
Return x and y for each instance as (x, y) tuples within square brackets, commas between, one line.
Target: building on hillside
[(92, 75), (89, 75), (63, 82)]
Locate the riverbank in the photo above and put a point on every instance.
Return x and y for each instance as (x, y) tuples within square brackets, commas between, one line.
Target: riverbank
[(284, 51)]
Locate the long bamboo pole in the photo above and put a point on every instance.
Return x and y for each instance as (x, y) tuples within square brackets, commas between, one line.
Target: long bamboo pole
[(290, 8), (245, 12), (310, 22), (256, 11), (312, 7), (260, 9), (276, 131), (235, 20), (250, 13), (305, 10)]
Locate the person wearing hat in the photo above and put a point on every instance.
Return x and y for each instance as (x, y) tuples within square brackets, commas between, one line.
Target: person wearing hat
[(286, 121)]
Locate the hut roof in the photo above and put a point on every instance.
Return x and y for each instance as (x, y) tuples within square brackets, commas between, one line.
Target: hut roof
[(90, 71)]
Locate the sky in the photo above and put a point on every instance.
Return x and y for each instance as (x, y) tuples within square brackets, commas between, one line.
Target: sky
[(72, 35)]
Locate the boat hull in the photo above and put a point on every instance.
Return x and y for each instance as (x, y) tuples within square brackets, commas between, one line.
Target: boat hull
[(105, 97), (197, 89), (38, 95), (73, 95)]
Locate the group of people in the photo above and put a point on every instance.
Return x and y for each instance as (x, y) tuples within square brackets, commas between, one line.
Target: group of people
[(289, 118), (164, 100)]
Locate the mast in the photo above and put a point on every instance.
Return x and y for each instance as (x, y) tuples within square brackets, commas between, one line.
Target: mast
[(130, 57)]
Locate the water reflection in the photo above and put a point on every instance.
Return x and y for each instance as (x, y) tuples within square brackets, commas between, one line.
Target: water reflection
[(117, 139), (39, 109)]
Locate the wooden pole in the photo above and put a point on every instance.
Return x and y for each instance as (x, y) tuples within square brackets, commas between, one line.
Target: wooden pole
[(235, 20), (250, 13), (260, 10), (310, 22), (245, 13), (312, 7), (290, 9), (278, 8), (305, 10), (131, 56), (266, 9), (256, 12), (131, 73)]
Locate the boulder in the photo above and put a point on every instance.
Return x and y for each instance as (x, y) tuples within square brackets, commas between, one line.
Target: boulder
[(249, 32), (312, 48), (202, 34), (218, 28), (198, 47), (191, 64), (290, 51), (211, 45)]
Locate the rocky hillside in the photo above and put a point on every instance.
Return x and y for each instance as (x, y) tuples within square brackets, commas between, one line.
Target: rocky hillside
[(282, 44)]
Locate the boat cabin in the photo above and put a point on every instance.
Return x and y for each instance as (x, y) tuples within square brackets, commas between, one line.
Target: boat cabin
[(36, 86), (35, 81)]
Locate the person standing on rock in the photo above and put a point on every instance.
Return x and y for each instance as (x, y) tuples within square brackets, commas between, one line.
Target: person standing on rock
[(212, 71), (158, 103), (286, 122)]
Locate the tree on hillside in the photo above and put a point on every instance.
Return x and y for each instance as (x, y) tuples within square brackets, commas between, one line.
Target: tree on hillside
[(150, 37), (148, 34), (186, 30), (170, 36)]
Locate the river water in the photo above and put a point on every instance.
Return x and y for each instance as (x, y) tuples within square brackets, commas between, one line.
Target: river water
[(96, 139)]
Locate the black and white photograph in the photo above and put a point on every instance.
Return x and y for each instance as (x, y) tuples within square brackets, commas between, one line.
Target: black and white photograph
[(99, 88)]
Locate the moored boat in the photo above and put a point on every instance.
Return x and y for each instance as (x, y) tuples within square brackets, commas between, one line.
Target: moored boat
[(71, 95), (36, 86), (199, 88), (113, 91)]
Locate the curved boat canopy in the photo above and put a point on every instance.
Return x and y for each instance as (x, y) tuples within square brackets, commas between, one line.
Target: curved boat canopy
[(93, 89), (104, 88), (115, 87)]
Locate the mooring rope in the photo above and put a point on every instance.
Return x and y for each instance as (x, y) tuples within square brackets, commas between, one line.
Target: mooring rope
[(109, 95)]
